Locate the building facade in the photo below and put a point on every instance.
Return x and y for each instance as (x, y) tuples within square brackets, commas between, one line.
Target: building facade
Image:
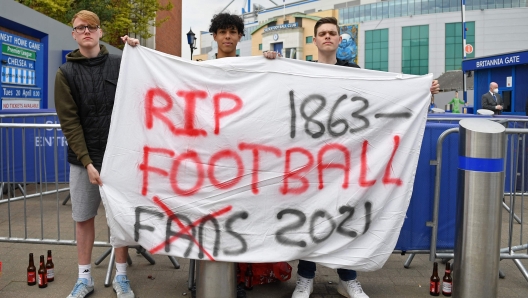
[(292, 35), (34, 46), (413, 37), (167, 37), (401, 36)]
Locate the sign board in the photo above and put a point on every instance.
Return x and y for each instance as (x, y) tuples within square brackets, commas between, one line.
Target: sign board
[(18, 52), (282, 26), (21, 85), (18, 76), (15, 104), (256, 160), (508, 81), (501, 60), (469, 49), (20, 92)]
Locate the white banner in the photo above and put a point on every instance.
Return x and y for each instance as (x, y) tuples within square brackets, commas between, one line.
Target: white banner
[(256, 160)]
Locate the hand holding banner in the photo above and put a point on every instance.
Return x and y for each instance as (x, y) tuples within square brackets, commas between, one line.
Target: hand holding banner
[(252, 160)]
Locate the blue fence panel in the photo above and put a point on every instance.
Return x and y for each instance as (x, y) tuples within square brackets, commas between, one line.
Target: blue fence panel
[(414, 233), (37, 146), (517, 158)]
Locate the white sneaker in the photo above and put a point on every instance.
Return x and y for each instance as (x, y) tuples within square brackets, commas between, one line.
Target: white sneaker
[(351, 289), (122, 288), (304, 287), (82, 289)]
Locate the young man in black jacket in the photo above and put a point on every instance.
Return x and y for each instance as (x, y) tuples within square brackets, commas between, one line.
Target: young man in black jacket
[(327, 39), (85, 88)]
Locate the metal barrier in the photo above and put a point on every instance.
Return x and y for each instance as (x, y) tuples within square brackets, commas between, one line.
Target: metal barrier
[(516, 141), (35, 170), (27, 154), (33, 189)]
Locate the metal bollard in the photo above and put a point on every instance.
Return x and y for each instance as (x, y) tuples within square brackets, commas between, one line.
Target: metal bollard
[(478, 214), (215, 279)]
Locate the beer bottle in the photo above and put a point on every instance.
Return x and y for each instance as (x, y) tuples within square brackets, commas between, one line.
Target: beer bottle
[(50, 268), (42, 274), (434, 287), (447, 281), (249, 277), (31, 272)]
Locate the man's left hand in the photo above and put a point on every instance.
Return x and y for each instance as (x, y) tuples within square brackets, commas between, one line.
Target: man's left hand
[(435, 87)]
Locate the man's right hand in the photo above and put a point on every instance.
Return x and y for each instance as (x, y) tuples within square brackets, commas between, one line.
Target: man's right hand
[(131, 41), (498, 107), (93, 175), (271, 54)]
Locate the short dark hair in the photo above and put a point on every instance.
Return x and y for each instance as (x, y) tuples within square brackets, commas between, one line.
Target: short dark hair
[(226, 21), (327, 20)]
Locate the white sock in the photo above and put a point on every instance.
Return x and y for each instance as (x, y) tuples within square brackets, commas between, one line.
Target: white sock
[(85, 271), (121, 268)]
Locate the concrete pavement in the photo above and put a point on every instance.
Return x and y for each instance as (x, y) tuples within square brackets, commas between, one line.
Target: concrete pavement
[(393, 280)]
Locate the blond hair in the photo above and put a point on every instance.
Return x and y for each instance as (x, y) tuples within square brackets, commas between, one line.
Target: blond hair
[(87, 16)]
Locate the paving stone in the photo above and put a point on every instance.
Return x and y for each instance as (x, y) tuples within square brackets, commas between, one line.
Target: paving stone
[(393, 280)]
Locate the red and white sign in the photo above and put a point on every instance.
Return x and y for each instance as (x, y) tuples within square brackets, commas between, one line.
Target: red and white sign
[(256, 160), (469, 49), (16, 104)]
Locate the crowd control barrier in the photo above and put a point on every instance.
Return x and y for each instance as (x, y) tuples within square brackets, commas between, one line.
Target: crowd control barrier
[(29, 151), (430, 224), (434, 178), (34, 180), (35, 172)]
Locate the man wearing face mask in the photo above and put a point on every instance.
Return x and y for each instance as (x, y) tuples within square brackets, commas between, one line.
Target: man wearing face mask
[(492, 99)]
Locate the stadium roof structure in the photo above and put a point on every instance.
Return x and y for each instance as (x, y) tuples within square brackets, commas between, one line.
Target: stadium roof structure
[(452, 81)]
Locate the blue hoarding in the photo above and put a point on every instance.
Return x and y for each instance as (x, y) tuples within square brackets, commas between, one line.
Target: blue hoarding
[(32, 155)]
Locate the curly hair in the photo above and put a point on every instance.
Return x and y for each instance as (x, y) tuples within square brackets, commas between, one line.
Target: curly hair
[(226, 21)]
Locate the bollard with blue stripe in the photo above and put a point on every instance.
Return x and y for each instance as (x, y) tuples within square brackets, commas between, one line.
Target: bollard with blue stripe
[(479, 206), (215, 279)]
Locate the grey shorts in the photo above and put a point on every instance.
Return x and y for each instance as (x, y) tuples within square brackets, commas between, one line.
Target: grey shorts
[(85, 197)]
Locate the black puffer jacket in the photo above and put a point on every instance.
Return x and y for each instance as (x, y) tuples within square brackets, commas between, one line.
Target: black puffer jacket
[(92, 83), (346, 63)]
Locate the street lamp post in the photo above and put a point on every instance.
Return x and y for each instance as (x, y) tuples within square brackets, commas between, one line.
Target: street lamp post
[(191, 40)]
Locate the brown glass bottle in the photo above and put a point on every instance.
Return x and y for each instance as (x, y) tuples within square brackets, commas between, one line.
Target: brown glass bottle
[(434, 287), (447, 281), (31, 272), (50, 268), (42, 274), (248, 285)]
